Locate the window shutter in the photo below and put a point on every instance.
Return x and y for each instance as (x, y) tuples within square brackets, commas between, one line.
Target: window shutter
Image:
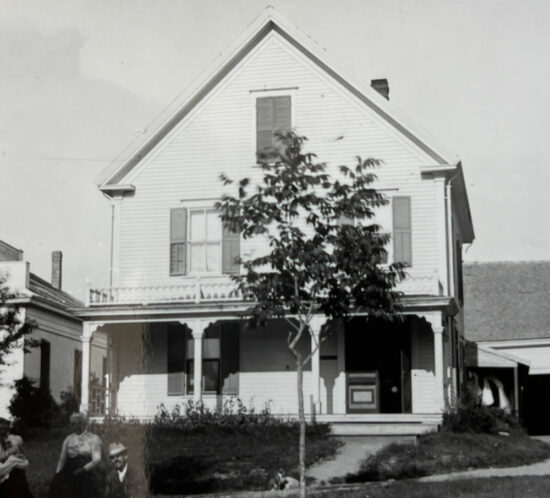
[(264, 123), (45, 365), (272, 114), (230, 358), (231, 250), (175, 350), (402, 236), (77, 379), (178, 241), (282, 114)]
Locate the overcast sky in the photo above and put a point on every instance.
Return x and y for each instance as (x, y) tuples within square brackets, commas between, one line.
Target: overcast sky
[(80, 79)]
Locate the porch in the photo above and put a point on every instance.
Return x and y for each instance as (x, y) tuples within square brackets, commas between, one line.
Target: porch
[(366, 378)]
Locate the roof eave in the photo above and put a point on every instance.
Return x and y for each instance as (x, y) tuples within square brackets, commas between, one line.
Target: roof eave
[(269, 21)]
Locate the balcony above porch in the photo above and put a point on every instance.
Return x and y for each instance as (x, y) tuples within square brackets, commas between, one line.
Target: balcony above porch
[(222, 289)]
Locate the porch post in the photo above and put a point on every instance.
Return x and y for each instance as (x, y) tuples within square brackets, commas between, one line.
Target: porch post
[(316, 324), (88, 329), (438, 365), (197, 328), (516, 391)]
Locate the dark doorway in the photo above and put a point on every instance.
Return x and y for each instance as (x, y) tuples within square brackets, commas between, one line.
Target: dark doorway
[(536, 399), (383, 348)]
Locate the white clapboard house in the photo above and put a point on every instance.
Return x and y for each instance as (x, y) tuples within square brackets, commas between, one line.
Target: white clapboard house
[(172, 315)]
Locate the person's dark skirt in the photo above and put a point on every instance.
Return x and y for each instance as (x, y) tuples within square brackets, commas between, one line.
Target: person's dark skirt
[(16, 485), (88, 484)]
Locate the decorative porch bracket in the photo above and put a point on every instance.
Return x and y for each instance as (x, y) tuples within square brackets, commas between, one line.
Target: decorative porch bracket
[(88, 329), (316, 324)]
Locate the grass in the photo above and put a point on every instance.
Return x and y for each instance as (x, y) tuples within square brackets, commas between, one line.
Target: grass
[(193, 461), (493, 487), (449, 452)]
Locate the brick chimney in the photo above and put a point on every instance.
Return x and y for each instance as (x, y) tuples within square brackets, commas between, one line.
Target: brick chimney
[(382, 87), (57, 269)]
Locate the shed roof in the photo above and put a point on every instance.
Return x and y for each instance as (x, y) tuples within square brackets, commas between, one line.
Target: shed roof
[(507, 300)]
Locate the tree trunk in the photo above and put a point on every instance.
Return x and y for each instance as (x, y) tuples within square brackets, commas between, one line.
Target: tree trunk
[(302, 420)]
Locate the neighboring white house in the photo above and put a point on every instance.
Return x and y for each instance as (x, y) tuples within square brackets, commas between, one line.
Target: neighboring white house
[(507, 315), (172, 315), (56, 364)]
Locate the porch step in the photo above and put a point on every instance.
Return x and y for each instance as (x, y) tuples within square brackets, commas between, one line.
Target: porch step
[(381, 424), (374, 429)]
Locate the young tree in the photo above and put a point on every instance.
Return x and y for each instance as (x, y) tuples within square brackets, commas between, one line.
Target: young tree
[(13, 330), (325, 251)]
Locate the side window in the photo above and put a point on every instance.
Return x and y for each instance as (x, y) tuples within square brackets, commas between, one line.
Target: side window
[(272, 115)]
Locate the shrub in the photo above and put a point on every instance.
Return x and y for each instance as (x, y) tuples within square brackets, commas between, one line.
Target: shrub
[(31, 407), (471, 416), (233, 413)]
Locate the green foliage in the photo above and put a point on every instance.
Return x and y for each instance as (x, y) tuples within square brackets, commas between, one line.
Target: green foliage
[(31, 407), (471, 416), (316, 263), (443, 452), (69, 404), (13, 330), (232, 414)]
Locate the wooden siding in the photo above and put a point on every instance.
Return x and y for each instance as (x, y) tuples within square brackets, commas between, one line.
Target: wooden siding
[(64, 337), (219, 136), (423, 371)]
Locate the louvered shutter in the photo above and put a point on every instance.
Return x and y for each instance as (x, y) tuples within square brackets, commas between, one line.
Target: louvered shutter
[(229, 339), (281, 114), (264, 123), (231, 250), (178, 241), (402, 236), (272, 114), (175, 351)]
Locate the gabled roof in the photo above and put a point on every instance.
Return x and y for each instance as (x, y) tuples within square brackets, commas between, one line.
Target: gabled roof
[(507, 300), (270, 21)]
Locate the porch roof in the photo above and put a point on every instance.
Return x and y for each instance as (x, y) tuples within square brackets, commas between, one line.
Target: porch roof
[(167, 311)]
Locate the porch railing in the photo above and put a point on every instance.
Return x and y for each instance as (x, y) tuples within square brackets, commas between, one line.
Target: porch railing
[(215, 289), (190, 290)]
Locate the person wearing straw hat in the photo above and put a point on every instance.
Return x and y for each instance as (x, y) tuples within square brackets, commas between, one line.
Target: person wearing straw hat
[(120, 480)]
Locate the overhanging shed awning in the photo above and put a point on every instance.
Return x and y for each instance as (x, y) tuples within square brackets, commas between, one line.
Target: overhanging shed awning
[(484, 356)]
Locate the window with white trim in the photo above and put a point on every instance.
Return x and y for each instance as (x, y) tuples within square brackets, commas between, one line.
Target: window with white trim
[(200, 245)]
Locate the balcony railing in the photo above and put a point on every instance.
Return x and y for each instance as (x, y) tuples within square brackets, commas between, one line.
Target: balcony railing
[(216, 289)]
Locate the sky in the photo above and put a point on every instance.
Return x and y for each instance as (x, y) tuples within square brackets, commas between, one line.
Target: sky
[(81, 79)]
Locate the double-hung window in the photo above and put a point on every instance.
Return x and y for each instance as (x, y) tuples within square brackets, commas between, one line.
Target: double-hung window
[(200, 245), (205, 239)]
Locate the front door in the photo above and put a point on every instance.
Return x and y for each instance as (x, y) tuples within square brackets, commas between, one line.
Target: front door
[(377, 366)]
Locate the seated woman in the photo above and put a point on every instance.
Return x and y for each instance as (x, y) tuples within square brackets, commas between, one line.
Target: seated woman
[(13, 462), (78, 473)]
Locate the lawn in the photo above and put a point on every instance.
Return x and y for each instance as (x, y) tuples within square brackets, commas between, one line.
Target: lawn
[(193, 461), (444, 452), (494, 487)]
